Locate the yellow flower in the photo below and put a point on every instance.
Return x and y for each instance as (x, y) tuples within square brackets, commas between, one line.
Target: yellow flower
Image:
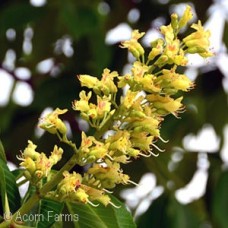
[(166, 104), (172, 48), (52, 123), (128, 100), (30, 151), (161, 61), (106, 84), (70, 183), (141, 140), (91, 149), (56, 155), (104, 199), (80, 195), (37, 164), (83, 104), (168, 32), (119, 141), (138, 70), (148, 124), (180, 58), (175, 22), (108, 176), (187, 16), (171, 82), (140, 79), (127, 79), (43, 165), (148, 85), (86, 142), (97, 152), (103, 106), (133, 45), (198, 42), (88, 81), (157, 48), (70, 188), (29, 164)]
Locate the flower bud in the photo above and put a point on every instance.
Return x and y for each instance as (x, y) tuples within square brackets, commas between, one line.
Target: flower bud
[(171, 82), (129, 98), (107, 80), (141, 140), (29, 164), (174, 22), (157, 48), (187, 16), (162, 60), (88, 81), (165, 105), (198, 42), (133, 46), (52, 123), (133, 152), (56, 155), (43, 165), (83, 104), (103, 106), (30, 151), (104, 199), (168, 32), (80, 195)]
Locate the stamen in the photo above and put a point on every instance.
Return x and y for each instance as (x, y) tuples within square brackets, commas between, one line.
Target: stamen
[(84, 160), (175, 114), (155, 155), (96, 182), (132, 182), (105, 190), (144, 155), (109, 157), (158, 148), (182, 110), (114, 205), (163, 140), (94, 205), (20, 158)]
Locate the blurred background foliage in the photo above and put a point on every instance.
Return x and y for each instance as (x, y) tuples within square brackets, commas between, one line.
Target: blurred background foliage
[(45, 44)]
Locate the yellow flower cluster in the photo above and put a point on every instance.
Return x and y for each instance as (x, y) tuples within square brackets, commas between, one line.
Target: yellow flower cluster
[(38, 165), (133, 121), (72, 188)]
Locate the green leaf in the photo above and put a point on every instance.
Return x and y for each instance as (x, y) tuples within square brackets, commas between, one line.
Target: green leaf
[(220, 201), (9, 187), (166, 212), (101, 216), (156, 214), (50, 213), (17, 173), (58, 224), (31, 190), (2, 152)]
